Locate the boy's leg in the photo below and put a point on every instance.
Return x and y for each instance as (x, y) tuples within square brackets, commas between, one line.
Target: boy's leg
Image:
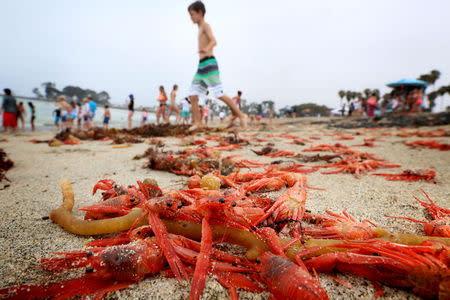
[(196, 118), (235, 110)]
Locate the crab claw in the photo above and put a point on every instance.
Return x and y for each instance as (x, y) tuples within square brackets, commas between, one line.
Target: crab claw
[(105, 184)]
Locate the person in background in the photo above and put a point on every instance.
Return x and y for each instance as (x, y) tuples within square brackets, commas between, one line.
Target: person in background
[(9, 108), (93, 108), (173, 106), (417, 101), (86, 113), (372, 105), (21, 112), (343, 109), (130, 111), (79, 115), (33, 115), (186, 106), (161, 110), (237, 99), (57, 117), (65, 111), (205, 113), (222, 116), (106, 117), (144, 116), (73, 113), (351, 108)]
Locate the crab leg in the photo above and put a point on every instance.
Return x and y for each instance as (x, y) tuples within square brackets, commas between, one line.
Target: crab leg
[(255, 246)]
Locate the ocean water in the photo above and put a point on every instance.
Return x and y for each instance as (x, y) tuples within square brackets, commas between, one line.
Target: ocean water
[(45, 119)]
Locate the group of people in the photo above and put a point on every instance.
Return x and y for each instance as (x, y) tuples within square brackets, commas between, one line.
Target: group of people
[(14, 112), (166, 107), (66, 115), (397, 102)]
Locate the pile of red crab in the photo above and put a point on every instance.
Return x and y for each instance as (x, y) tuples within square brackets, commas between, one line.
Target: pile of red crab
[(176, 232), (185, 225)]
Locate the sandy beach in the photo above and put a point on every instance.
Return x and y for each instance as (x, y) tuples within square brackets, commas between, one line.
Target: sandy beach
[(34, 191)]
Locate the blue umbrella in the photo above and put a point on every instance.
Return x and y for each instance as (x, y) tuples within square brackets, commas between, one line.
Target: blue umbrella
[(408, 82)]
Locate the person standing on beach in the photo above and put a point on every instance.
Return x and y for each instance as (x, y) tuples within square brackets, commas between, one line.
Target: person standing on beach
[(173, 106), (86, 112), (65, 111), (93, 108), (21, 112), (237, 99), (186, 106), (106, 117), (207, 75), (33, 115), (9, 108), (161, 110), (79, 115), (144, 116), (73, 113), (130, 111), (57, 116), (372, 105)]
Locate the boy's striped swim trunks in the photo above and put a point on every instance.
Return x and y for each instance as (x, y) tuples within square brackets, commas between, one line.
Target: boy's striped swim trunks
[(207, 76)]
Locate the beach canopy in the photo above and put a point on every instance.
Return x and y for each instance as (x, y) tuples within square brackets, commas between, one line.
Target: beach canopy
[(408, 82)]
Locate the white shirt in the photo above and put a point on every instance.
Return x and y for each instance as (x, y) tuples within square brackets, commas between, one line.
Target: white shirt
[(86, 109), (186, 105)]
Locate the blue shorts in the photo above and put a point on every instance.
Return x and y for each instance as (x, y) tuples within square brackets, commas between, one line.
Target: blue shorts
[(56, 120), (64, 119), (105, 120), (72, 116), (185, 113), (144, 118)]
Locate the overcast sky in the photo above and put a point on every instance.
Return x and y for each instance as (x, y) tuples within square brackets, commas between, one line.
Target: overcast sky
[(288, 51)]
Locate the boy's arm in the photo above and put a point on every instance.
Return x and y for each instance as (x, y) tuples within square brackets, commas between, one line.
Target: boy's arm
[(212, 40)]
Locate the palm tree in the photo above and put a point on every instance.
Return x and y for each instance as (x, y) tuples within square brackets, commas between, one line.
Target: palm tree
[(341, 94), (435, 74), (348, 95)]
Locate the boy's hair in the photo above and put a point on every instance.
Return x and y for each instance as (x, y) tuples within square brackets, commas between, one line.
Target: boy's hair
[(106, 106), (239, 93), (198, 6), (7, 92), (175, 86)]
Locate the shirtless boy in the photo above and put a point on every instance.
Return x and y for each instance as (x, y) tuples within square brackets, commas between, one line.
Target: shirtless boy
[(207, 75)]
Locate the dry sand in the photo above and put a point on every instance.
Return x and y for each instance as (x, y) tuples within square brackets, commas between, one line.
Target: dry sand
[(25, 237)]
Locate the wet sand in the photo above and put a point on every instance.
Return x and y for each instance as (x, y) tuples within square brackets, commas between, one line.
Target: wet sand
[(34, 191)]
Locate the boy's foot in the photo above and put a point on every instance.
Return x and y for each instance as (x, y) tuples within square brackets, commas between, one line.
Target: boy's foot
[(195, 127), (244, 121), (231, 124)]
